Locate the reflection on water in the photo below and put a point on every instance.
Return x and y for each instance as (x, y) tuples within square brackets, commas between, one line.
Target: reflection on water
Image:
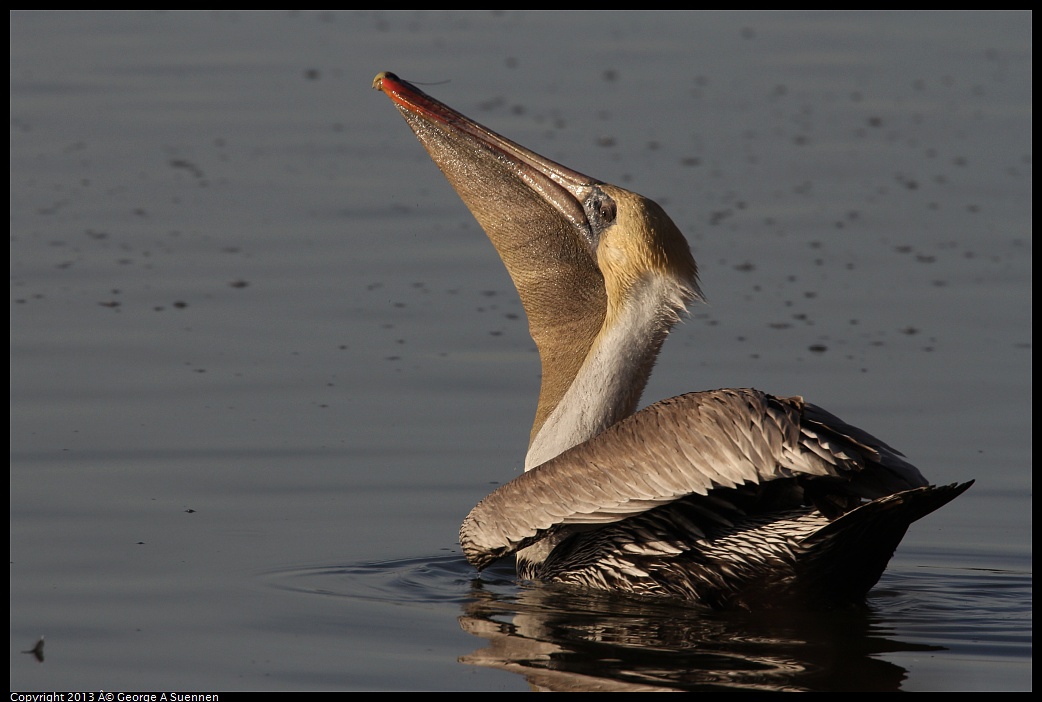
[(568, 640), (565, 639)]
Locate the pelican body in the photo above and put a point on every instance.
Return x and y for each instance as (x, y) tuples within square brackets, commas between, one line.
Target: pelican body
[(730, 498)]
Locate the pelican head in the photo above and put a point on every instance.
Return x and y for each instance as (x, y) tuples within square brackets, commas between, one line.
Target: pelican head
[(598, 267)]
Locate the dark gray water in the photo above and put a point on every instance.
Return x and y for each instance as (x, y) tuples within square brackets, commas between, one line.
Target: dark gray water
[(263, 361)]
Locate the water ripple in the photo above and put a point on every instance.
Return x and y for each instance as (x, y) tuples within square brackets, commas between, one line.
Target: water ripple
[(419, 580), (566, 639)]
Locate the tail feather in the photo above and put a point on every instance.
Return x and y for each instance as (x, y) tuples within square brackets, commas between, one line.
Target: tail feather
[(842, 561)]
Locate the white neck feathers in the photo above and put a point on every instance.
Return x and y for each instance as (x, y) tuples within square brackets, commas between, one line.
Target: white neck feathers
[(610, 381)]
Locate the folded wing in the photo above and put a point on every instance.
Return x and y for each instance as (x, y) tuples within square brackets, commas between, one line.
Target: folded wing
[(690, 444)]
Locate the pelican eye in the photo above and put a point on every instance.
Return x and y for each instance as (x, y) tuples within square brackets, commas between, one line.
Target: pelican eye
[(600, 209)]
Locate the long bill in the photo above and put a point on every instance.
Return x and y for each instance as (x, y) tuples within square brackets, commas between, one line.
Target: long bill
[(532, 210)]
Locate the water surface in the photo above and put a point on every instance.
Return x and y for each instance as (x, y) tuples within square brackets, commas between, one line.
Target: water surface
[(263, 361)]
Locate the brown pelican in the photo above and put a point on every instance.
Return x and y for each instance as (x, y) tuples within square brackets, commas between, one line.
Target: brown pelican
[(730, 498)]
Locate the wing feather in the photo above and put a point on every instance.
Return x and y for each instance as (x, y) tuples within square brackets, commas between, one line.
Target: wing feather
[(688, 444)]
